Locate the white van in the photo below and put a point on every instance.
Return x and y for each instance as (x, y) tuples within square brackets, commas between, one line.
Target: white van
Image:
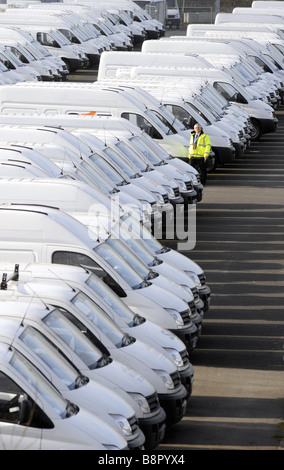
[(222, 18), (103, 402), (110, 62), (23, 36), (149, 193), (90, 361), (248, 50), (15, 169), (262, 116), (11, 62), (209, 46), (97, 121), (72, 243), (78, 197), (25, 55), (35, 416), (122, 17), (232, 125), (105, 299), (119, 347), (27, 155), (201, 29), (79, 98), (66, 25), (107, 35), (55, 43), (264, 4), (177, 283)]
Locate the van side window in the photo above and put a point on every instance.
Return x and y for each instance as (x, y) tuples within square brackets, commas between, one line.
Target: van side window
[(143, 124), (6, 62), (46, 40), (18, 54), (79, 259), (182, 115), (75, 259), (17, 408)]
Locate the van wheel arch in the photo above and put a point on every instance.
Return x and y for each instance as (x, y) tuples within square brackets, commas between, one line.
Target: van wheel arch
[(256, 132)]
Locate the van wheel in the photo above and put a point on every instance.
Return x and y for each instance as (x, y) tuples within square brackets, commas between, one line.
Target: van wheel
[(256, 131), (211, 164)]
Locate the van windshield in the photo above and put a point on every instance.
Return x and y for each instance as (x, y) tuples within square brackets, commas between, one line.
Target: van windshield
[(146, 150), (44, 388), (161, 122), (133, 156), (108, 169), (119, 160), (129, 257), (110, 298), (116, 261), (100, 319), (89, 354), (55, 360)]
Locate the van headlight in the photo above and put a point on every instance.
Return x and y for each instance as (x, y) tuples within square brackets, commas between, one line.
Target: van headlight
[(176, 316), (166, 378), (159, 198), (175, 355), (181, 185), (194, 278), (141, 401), (123, 423), (170, 192)]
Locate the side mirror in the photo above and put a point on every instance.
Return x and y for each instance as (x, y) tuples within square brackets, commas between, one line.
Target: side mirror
[(25, 413)]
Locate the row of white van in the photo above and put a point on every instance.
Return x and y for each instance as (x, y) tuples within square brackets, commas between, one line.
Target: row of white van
[(74, 35), (232, 85), (125, 303)]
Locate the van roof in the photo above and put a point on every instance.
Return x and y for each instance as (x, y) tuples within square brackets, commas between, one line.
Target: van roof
[(42, 224)]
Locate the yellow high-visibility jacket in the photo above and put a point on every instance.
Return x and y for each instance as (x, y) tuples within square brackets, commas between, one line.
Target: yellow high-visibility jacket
[(203, 146)]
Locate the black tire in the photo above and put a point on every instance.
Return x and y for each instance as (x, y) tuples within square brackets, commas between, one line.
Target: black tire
[(256, 132)]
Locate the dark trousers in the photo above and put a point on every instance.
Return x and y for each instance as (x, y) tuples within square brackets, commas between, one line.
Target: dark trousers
[(201, 166)]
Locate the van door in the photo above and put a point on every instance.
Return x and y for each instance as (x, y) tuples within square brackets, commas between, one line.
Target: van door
[(80, 259), (18, 418)]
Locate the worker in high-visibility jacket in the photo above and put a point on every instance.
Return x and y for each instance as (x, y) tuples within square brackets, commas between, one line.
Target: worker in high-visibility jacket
[(199, 150)]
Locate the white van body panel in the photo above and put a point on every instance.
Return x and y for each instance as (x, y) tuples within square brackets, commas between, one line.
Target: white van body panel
[(249, 18)]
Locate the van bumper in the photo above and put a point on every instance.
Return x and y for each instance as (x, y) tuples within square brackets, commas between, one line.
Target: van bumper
[(225, 154), (94, 59), (188, 335), (187, 379), (174, 405), (190, 197), (76, 64), (240, 148), (204, 293), (154, 429), (138, 442)]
